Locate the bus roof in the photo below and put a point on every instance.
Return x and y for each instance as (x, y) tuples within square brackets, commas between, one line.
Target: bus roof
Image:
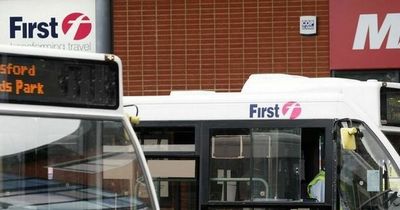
[(268, 96), (283, 83)]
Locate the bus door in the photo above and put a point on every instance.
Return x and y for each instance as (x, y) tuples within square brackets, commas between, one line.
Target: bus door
[(260, 165)]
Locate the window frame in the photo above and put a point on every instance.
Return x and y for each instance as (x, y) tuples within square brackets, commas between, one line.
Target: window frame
[(327, 124), (366, 74), (202, 152), (176, 155)]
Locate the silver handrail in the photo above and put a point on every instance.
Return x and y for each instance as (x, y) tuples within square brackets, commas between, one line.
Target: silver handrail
[(243, 179)]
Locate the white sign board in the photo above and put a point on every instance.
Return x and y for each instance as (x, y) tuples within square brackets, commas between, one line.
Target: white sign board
[(62, 24), (308, 25)]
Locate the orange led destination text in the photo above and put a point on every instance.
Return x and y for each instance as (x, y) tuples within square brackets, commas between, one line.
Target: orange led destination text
[(17, 70), (20, 86)]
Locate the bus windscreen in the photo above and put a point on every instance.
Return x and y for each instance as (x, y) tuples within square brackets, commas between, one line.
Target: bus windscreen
[(59, 81)]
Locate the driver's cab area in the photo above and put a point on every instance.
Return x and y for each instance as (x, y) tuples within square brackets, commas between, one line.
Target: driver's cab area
[(364, 169)]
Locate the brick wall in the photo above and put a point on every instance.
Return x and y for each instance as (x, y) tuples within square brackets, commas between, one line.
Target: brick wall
[(215, 44)]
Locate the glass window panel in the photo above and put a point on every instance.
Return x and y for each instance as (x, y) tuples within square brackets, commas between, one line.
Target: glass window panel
[(176, 187), (166, 139), (49, 163), (264, 164), (366, 174), (390, 106), (276, 156), (176, 179), (229, 168), (380, 75)]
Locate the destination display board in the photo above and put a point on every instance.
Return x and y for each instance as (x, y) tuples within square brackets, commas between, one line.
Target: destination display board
[(58, 81)]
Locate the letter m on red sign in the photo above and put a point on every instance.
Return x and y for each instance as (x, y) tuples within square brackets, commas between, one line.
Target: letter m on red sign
[(368, 28)]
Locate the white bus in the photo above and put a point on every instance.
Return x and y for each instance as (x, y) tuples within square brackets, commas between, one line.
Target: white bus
[(65, 141), (260, 148)]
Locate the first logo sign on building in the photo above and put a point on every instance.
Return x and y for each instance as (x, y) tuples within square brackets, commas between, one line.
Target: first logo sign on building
[(66, 26)]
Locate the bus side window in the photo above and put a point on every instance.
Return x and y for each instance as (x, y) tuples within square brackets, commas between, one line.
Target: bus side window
[(229, 165), (263, 164)]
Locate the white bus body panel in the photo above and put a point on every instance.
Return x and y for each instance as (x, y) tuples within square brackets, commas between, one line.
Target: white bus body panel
[(317, 98)]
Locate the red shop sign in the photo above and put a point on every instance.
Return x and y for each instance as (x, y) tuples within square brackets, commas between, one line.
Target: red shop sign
[(364, 34)]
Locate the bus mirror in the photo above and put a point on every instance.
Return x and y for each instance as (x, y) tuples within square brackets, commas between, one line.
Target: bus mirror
[(135, 120), (348, 136)]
